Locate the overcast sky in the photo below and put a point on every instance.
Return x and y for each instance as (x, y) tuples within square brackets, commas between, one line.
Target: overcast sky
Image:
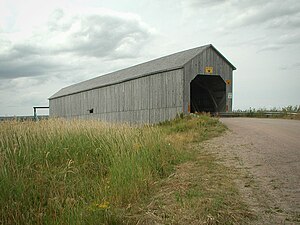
[(47, 45)]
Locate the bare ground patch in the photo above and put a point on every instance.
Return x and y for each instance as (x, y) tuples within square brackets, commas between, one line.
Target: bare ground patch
[(263, 192)]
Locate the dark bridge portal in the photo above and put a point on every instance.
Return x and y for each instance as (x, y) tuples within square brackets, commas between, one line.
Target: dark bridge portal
[(208, 94)]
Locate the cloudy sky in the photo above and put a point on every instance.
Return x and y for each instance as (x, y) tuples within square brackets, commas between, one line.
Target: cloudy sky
[(47, 45)]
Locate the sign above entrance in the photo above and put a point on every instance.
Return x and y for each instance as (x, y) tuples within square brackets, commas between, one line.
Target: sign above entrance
[(209, 69), (228, 82)]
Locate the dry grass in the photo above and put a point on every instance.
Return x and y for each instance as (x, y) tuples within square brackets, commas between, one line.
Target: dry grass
[(201, 190), (89, 172), (75, 172)]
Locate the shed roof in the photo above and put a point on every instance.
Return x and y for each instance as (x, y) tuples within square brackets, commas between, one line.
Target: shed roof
[(166, 63)]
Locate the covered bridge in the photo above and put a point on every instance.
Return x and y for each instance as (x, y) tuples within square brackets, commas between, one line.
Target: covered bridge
[(195, 80)]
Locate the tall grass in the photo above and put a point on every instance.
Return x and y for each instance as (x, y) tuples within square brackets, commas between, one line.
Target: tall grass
[(193, 128), (77, 172)]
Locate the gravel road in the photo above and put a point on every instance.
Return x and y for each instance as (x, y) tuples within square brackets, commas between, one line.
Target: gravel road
[(268, 151)]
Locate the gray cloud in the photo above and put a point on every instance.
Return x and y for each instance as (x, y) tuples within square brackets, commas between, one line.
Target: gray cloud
[(240, 13), (25, 69), (281, 41), (22, 60), (268, 25), (272, 14), (20, 94), (67, 38), (295, 66), (99, 35), (203, 3)]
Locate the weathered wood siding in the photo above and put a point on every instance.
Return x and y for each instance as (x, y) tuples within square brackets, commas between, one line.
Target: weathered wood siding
[(148, 99), (196, 66)]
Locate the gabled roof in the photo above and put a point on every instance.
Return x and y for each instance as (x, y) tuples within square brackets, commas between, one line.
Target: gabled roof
[(166, 63)]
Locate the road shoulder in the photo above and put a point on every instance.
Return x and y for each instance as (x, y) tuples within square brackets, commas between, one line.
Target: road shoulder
[(258, 190)]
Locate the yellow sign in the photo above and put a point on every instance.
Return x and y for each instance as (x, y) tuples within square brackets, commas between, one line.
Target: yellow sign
[(209, 69), (228, 82)]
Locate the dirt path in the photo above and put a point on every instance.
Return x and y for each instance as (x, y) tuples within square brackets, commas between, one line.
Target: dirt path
[(267, 152)]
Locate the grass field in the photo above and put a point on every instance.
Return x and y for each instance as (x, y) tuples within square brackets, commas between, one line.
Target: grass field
[(90, 172), (288, 112)]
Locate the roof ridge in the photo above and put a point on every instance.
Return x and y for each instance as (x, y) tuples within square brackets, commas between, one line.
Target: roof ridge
[(152, 60), (167, 62)]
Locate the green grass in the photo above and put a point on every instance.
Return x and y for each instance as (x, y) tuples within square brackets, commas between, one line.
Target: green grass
[(194, 128), (75, 172), (90, 172)]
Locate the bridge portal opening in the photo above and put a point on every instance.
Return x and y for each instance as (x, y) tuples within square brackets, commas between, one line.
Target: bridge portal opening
[(208, 94)]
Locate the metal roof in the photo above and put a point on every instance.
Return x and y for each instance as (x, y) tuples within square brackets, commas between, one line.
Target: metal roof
[(166, 63)]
